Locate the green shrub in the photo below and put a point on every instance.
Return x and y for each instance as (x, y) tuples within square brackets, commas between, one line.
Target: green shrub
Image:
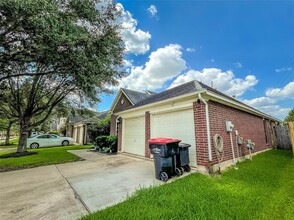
[(100, 128), (107, 142)]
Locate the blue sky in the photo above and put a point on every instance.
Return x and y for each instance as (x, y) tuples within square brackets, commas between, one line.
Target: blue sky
[(246, 48)]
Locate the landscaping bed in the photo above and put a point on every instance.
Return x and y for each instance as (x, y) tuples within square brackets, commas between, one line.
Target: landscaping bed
[(39, 157), (259, 189)]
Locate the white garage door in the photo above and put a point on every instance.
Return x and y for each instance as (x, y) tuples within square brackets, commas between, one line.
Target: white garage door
[(179, 124), (134, 136)]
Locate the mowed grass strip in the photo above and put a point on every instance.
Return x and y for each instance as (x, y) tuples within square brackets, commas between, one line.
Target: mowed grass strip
[(12, 143), (44, 156), (259, 189)]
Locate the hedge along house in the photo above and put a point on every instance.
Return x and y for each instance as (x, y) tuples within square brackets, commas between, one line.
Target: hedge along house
[(194, 113)]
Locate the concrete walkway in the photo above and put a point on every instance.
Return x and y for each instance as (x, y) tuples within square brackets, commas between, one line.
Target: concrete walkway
[(68, 191)]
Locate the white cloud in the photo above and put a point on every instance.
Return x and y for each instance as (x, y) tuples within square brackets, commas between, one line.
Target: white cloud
[(223, 81), (239, 65), (259, 102), (164, 64), (152, 10), (136, 41), (127, 63), (286, 92), (190, 49), (270, 103), (274, 110), (283, 69), (279, 112)]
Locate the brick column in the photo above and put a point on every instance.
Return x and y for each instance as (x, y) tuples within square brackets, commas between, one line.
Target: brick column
[(147, 134), (113, 125), (200, 133), (119, 141)]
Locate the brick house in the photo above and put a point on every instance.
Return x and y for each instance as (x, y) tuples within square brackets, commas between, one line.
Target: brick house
[(194, 113), (77, 126)]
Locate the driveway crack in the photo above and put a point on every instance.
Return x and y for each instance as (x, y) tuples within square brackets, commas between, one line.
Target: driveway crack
[(77, 196)]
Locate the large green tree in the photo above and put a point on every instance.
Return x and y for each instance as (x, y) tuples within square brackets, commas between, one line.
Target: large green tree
[(6, 125), (55, 49)]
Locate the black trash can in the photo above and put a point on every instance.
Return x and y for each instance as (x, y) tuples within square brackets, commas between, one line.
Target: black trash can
[(182, 159), (164, 151)]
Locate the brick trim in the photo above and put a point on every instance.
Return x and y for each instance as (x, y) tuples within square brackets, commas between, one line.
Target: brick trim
[(200, 133), (147, 133), (119, 141)]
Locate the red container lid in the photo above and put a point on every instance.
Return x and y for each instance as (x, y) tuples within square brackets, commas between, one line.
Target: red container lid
[(163, 140)]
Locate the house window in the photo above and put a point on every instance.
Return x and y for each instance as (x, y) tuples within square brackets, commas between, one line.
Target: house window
[(122, 101)]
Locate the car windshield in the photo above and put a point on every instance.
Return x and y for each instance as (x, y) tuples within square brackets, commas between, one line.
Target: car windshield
[(54, 136)]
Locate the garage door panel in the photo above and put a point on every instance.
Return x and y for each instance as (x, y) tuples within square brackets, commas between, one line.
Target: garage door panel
[(179, 124), (134, 136)]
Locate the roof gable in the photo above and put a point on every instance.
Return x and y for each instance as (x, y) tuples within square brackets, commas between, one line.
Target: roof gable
[(130, 97), (135, 96)]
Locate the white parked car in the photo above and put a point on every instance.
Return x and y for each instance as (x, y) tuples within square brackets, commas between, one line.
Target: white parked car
[(35, 133), (47, 140)]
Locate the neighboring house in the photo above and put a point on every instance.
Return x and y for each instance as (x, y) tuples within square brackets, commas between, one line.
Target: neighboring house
[(58, 123), (184, 112), (77, 126)]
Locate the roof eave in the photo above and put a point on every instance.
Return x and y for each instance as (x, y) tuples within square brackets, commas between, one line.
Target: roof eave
[(160, 102), (226, 101)]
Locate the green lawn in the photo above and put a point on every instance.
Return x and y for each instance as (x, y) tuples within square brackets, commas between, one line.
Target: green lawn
[(259, 189), (45, 156), (13, 143)]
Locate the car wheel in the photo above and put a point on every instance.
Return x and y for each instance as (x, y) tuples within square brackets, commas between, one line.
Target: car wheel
[(34, 145), (65, 143)]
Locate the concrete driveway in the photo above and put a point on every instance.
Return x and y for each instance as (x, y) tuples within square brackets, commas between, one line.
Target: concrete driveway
[(68, 191), (104, 180)]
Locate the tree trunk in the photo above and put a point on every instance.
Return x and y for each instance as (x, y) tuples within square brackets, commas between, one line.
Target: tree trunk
[(24, 133), (8, 133)]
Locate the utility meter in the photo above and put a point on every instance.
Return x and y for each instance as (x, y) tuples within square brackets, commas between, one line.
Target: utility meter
[(229, 126)]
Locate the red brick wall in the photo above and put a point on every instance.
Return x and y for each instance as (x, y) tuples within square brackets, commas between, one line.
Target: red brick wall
[(119, 141), (200, 133), (117, 108), (113, 125), (249, 127), (120, 107), (147, 134)]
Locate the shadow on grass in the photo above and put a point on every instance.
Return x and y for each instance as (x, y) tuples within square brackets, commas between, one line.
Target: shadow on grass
[(17, 154)]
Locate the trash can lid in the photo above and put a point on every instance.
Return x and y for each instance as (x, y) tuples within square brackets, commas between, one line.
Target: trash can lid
[(163, 140), (184, 145)]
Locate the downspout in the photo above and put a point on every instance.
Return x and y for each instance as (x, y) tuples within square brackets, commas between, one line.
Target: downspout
[(207, 127)]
